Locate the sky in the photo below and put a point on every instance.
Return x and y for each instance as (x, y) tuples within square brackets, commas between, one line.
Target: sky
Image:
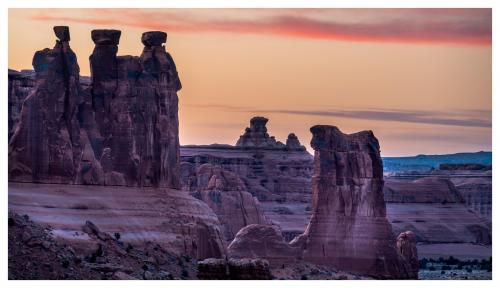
[(420, 79)]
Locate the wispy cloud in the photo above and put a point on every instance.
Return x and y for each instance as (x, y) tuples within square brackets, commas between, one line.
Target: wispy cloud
[(435, 26), (463, 118)]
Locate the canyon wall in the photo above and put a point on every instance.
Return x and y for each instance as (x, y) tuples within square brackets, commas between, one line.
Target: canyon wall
[(121, 129)]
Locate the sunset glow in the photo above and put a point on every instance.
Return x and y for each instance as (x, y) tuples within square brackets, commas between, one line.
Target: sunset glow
[(421, 79)]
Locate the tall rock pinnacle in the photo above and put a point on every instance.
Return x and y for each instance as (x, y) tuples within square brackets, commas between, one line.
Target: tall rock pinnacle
[(348, 228)]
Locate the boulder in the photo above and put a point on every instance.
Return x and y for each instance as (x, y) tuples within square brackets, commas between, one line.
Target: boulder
[(264, 242)]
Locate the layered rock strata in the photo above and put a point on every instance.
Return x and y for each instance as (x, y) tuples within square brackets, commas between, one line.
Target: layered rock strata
[(434, 209), (46, 146), (271, 170), (176, 221), (348, 227), (225, 193), (121, 129), (20, 86)]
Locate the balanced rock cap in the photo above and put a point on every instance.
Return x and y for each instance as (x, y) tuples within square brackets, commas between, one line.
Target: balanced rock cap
[(62, 33), (106, 36), (153, 38)]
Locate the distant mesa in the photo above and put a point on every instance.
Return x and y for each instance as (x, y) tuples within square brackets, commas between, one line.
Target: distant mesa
[(256, 136)]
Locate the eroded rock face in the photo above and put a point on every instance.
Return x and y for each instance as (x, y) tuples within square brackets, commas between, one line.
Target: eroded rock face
[(225, 193), (265, 242), (407, 247), (256, 136), (423, 190), (234, 269), (120, 129), (348, 228), (21, 84), (271, 170), (46, 145)]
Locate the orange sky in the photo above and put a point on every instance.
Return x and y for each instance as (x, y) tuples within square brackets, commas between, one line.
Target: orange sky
[(419, 78)]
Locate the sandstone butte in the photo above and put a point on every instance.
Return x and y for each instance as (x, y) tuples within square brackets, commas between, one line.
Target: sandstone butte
[(122, 130), (119, 129), (348, 228)]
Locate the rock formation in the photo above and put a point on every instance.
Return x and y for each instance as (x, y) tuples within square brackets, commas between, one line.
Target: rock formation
[(278, 175), (46, 146), (271, 170), (348, 228), (121, 129), (423, 190), (256, 136), (262, 241), (407, 247), (234, 269), (20, 86), (225, 193)]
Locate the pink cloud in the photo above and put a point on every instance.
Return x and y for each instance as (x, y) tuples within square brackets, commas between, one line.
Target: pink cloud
[(431, 26)]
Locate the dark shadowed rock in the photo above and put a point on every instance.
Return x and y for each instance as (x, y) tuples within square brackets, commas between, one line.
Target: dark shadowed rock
[(62, 33), (106, 36), (20, 85), (407, 247), (234, 269), (213, 269), (348, 227), (292, 142), (153, 38), (46, 146), (256, 135)]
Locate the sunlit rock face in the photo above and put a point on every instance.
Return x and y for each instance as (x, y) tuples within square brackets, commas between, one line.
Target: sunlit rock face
[(348, 228), (119, 129)]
